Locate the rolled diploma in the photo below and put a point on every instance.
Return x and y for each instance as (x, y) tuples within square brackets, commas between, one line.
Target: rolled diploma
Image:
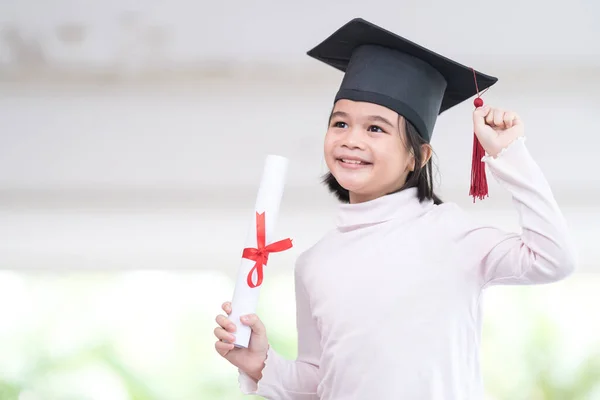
[(268, 200)]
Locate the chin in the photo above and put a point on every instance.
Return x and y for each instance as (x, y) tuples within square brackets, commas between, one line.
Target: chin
[(352, 180), (351, 185)]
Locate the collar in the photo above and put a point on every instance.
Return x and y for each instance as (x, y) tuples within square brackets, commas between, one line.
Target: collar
[(402, 205)]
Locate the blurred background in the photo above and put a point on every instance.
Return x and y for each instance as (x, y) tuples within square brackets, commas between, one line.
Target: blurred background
[(132, 139)]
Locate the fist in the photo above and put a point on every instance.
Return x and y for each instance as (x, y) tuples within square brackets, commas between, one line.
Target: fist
[(496, 128)]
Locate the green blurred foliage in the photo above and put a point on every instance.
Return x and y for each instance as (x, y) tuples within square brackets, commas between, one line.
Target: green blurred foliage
[(167, 352)]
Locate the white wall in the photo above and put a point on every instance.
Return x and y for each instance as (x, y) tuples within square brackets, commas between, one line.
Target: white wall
[(212, 132), (131, 36), (193, 238), (135, 137), (123, 177)]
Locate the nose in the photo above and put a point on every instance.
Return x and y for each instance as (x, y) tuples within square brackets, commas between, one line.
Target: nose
[(353, 139)]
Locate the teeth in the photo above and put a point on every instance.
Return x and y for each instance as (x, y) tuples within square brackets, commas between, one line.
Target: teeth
[(352, 161)]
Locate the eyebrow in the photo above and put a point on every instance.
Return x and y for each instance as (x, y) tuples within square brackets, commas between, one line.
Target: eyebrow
[(339, 114), (372, 118), (380, 119)]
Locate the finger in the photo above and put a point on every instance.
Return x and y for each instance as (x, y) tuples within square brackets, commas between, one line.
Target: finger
[(489, 118), (227, 307), (254, 323), (479, 116), (509, 118), (225, 323), (223, 348), (482, 112), (499, 118), (517, 120), (222, 334)]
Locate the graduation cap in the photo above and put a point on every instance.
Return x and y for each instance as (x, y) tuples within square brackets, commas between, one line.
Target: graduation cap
[(383, 68)]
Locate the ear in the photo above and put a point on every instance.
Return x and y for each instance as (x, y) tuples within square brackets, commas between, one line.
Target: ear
[(426, 152), (411, 162)]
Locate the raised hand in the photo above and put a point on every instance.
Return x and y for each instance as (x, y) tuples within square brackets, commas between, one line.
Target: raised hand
[(496, 128)]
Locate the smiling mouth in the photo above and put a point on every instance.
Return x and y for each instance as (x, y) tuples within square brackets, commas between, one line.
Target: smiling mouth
[(353, 163)]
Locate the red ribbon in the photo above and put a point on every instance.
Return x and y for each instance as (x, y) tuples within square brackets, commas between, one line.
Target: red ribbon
[(261, 254)]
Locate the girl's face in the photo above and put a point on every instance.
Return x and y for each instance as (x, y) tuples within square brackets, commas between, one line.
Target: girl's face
[(365, 150)]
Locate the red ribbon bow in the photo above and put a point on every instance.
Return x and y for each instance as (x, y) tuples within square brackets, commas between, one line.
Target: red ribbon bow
[(261, 253)]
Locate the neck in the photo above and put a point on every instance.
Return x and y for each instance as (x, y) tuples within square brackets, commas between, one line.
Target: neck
[(403, 205), (356, 198)]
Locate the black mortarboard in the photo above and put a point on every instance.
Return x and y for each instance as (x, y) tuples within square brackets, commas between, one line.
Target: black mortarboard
[(383, 68)]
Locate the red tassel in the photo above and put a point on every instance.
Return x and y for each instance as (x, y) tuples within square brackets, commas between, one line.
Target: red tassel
[(479, 187)]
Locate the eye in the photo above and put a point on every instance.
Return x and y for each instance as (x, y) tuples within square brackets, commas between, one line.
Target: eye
[(340, 124), (375, 128)]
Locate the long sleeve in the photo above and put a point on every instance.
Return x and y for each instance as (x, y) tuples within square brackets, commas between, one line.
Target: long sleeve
[(543, 252), (286, 379)]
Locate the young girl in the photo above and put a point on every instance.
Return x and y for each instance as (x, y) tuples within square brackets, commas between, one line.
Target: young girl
[(388, 303)]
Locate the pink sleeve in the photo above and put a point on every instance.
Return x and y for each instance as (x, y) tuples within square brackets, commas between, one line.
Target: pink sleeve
[(286, 379), (543, 252)]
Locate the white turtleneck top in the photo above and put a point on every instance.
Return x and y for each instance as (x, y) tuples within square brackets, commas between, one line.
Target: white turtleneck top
[(388, 303)]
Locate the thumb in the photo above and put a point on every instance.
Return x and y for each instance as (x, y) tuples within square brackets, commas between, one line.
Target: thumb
[(252, 320), (479, 117)]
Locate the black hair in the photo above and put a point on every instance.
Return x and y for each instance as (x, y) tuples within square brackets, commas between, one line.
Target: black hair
[(421, 178)]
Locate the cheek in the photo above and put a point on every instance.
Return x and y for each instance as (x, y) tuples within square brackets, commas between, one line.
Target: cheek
[(329, 144), (390, 154), (393, 160)]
